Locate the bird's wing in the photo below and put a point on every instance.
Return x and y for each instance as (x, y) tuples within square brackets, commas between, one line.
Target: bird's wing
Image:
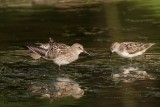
[(38, 50), (43, 45), (50, 50), (61, 49), (49, 53), (55, 50), (134, 47)]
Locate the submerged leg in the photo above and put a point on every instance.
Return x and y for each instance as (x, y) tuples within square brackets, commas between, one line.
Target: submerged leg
[(131, 60), (110, 55), (59, 68), (130, 63), (145, 59), (144, 56)]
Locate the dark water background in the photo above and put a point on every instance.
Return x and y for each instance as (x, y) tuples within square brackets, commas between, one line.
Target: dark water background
[(95, 26)]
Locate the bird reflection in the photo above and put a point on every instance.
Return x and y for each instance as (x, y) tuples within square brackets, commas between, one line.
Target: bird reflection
[(61, 87), (131, 74)]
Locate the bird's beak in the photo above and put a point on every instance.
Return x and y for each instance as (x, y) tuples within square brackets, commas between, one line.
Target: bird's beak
[(86, 52)]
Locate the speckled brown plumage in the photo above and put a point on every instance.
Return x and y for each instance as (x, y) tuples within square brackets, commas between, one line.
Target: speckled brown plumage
[(134, 47), (130, 49)]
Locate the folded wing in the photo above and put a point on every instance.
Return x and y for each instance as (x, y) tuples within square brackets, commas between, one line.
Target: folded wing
[(134, 47), (49, 50)]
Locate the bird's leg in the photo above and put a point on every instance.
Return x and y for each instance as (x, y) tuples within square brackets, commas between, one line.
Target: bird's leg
[(144, 56), (110, 55), (131, 60), (145, 59), (59, 68)]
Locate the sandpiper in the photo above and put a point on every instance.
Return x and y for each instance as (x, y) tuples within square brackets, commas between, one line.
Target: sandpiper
[(130, 49), (59, 53)]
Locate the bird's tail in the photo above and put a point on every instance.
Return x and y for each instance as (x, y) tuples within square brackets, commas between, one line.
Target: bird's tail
[(151, 44), (148, 45)]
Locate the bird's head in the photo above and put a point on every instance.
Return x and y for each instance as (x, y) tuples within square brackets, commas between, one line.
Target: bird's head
[(79, 48)]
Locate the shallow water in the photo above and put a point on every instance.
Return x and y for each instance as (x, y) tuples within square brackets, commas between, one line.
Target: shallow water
[(25, 82)]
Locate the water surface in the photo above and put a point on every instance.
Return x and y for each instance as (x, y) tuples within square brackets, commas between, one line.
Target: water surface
[(24, 81)]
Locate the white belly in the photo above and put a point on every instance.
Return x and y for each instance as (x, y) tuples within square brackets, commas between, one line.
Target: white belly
[(64, 60), (127, 55), (61, 61)]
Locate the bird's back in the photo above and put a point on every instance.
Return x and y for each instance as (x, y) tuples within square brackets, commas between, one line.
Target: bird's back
[(134, 47)]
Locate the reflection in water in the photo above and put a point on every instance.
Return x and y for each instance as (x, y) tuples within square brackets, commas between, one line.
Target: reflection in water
[(96, 27), (61, 87), (131, 74)]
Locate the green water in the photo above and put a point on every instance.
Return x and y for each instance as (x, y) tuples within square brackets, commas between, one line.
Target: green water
[(95, 26)]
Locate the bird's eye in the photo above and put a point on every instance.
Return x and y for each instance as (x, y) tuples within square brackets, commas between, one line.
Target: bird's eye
[(80, 48)]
